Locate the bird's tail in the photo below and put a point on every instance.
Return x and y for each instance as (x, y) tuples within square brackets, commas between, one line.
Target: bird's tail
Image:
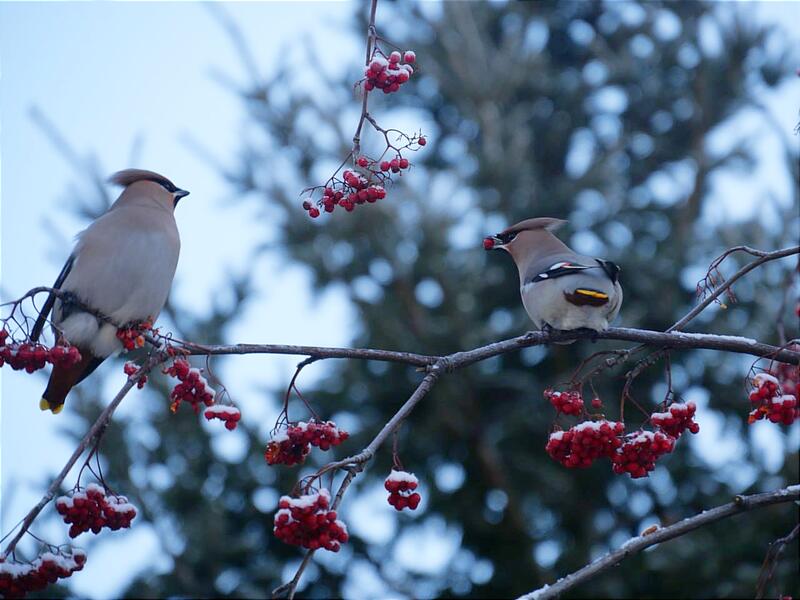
[(63, 379)]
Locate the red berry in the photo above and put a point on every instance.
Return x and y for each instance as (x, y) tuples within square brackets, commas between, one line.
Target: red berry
[(422, 141), (409, 57), (362, 161)]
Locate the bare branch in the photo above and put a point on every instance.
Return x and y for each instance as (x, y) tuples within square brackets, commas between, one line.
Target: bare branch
[(739, 505)]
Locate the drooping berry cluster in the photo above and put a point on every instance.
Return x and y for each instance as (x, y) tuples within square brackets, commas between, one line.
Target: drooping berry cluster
[(131, 368), (676, 419), (230, 415), (307, 522), (92, 510), (569, 403), (132, 336), (17, 579), (388, 75), (769, 402), (290, 446), (584, 443), (354, 190), (401, 486), (638, 454), (193, 388), (32, 357)]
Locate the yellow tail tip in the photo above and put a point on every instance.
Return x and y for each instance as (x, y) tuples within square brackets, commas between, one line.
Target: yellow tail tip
[(44, 404)]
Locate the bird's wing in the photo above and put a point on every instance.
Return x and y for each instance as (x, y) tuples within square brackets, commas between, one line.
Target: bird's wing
[(51, 299)]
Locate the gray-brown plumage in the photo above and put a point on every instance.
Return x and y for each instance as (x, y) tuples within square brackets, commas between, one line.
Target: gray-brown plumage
[(122, 266), (560, 289)]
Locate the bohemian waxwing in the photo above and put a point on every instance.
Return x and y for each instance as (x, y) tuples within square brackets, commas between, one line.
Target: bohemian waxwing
[(560, 289), (122, 266)]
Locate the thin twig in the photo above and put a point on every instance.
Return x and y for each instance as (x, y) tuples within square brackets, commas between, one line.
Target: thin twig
[(739, 505), (771, 561)]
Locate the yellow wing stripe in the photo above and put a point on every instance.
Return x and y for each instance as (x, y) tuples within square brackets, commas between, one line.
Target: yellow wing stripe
[(592, 294)]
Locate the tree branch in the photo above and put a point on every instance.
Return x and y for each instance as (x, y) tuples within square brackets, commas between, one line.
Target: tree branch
[(94, 433), (739, 505)]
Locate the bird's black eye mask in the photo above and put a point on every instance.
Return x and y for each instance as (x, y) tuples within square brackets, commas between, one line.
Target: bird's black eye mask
[(171, 188), (505, 238)]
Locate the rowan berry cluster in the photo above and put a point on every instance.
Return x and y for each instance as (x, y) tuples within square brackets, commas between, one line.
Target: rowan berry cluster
[(401, 486), (17, 579), (92, 510), (769, 402), (388, 74), (584, 443), (355, 189), (131, 368), (638, 454), (193, 388), (676, 419), (569, 403), (291, 445), (307, 522), (132, 336), (230, 415), (32, 357)]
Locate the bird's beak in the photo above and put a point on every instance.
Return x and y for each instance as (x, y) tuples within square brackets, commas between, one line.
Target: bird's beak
[(180, 194), (492, 242)]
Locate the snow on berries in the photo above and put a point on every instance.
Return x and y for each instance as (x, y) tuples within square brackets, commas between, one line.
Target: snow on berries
[(569, 403), (308, 522), (32, 357), (401, 486), (230, 415), (291, 445), (19, 578), (638, 454), (92, 509), (388, 74), (769, 401), (130, 369), (676, 419), (584, 443), (193, 388)]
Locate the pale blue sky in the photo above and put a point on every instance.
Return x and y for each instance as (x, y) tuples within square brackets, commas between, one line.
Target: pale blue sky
[(107, 74)]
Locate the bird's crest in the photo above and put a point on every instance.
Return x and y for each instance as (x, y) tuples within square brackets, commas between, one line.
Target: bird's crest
[(129, 176)]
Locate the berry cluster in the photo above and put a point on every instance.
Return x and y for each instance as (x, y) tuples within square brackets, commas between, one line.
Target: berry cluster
[(193, 388), (569, 403), (355, 189), (229, 414), (93, 510), (32, 357), (131, 368), (290, 446), (132, 336), (584, 443), (307, 522), (638, 455), (768, 401), (388, 75), (677, 419), (17, 579), (401, 486)]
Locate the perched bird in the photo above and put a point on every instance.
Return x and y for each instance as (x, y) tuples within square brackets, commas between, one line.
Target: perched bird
[(560, 289), (122, 266)]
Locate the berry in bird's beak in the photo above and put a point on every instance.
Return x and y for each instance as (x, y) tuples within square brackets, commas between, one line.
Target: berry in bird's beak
[(488, 243)]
